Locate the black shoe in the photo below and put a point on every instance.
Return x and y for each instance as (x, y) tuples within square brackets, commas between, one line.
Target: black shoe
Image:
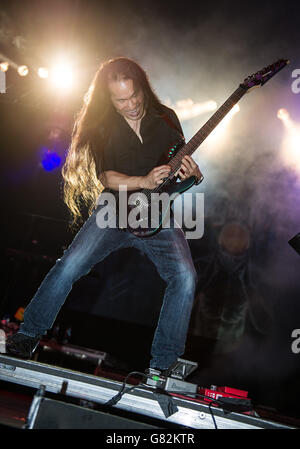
[(157, 372), (180, 369), (20, 345)]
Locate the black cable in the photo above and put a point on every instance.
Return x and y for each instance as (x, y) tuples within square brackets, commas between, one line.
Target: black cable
[(212, 415), (124, 390), (115, 399), (211, 403)]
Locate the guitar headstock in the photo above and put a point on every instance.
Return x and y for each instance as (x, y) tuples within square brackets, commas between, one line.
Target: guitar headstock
[(262, 76)]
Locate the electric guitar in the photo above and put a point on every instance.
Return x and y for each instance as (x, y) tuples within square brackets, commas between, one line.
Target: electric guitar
[(140, 219)]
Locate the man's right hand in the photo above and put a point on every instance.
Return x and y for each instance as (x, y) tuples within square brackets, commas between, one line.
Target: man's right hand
[(155, 177)]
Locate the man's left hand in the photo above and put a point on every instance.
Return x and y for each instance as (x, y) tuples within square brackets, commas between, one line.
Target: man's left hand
[(188, 168)]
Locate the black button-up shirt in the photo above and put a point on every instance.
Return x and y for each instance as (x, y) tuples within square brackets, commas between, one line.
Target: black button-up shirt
[(125, 153)]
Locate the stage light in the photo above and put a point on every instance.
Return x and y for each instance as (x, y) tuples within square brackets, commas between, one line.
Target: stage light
[(295, 141), (283, 114), (290, 148), (231, 113), (187, 109), (62, 77), (50, 159), (23, 70), (292, 128), (4, 66), (221, 127), (43, 72)]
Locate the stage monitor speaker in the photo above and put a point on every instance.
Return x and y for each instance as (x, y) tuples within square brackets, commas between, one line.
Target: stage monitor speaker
[(53, 414), (295, 243)]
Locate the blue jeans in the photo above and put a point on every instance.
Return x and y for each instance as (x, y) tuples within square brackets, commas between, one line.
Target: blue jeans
[(167, 249)]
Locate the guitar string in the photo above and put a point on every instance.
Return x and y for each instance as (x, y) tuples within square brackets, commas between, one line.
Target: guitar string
[(198, 138), (219, 115), (201, 135)]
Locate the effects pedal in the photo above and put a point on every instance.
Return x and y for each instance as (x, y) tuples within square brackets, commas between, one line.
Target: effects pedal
[(172, 380)]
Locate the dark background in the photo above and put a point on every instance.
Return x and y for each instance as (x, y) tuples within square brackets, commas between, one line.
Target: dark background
[(240, 332)]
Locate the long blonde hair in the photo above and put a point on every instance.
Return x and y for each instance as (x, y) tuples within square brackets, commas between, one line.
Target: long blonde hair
[(80, 173)]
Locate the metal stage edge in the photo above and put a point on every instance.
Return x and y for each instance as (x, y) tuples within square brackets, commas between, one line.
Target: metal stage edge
[(141, 400)]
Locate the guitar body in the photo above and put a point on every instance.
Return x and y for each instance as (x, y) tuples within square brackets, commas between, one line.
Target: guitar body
[(148, 212)]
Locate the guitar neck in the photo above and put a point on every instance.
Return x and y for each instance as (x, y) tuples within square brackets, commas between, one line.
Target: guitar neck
[(257, 79), (206, 129)]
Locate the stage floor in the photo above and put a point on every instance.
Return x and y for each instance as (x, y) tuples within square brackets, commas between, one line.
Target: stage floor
[(139, 405)]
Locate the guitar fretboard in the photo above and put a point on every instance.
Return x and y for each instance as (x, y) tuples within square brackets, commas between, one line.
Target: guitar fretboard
[(206, 129), (200, 136)]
